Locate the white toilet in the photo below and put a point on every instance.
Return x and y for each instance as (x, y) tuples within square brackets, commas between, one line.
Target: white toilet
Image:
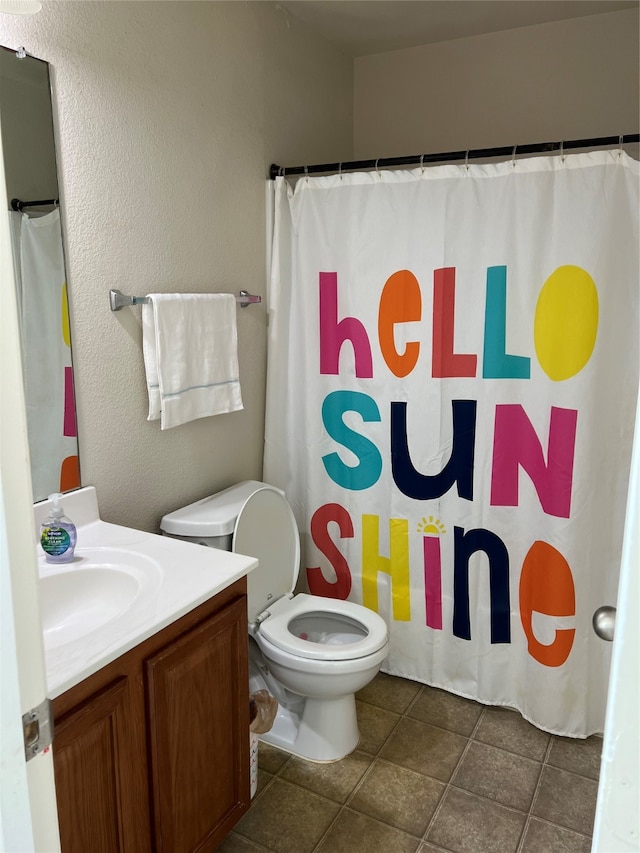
[(311, 653)]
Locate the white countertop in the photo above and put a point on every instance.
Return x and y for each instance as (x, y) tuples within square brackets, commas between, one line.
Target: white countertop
[(174, 578)]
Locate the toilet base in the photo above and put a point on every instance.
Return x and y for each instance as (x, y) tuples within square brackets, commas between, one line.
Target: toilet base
[(315, 729), (326, 730)]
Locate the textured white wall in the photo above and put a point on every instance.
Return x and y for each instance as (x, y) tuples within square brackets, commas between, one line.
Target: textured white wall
[(566, 80), (168, 115)]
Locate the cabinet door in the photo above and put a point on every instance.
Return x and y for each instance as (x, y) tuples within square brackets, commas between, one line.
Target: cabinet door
[(100, 774), (198, 707)]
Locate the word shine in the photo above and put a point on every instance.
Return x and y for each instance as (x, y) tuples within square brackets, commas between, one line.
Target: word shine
[(546, 583)]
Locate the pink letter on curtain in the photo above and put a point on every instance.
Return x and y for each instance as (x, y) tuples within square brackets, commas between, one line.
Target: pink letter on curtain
[(70, 427), (516, 443), (333, 333)]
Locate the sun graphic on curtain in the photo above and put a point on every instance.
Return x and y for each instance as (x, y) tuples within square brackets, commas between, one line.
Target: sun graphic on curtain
[(433, 526)]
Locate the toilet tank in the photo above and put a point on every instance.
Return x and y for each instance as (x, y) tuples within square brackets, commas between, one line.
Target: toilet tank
[(210, 521)]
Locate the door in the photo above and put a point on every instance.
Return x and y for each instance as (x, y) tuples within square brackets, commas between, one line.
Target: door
[(100, 770), (617, 824), (28, 820), (199, 733)]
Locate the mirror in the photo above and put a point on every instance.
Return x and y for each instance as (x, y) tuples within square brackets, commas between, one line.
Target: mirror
[(26, 118)]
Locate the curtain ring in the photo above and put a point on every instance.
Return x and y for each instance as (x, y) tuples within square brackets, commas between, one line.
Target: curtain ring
[(340, 170), (422, 164), (377, 172), (562, 154), (513, 157), (466, 161), (621, 141)]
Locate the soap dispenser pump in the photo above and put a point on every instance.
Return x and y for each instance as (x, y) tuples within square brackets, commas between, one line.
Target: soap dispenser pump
[(58, 534)]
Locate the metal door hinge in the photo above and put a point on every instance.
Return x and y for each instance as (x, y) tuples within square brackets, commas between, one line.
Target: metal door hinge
[(37, 728)]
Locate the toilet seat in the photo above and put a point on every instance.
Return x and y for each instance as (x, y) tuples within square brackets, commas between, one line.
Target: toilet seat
[(367, 628), (266, 529)]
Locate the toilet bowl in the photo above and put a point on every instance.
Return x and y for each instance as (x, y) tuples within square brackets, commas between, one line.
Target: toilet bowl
[(312, 653)]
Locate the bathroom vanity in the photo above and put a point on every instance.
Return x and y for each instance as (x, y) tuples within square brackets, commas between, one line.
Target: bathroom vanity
[(146, 654), (152, 751)]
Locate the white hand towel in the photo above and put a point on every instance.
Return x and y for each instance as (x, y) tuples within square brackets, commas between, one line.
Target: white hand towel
[(190, 349)]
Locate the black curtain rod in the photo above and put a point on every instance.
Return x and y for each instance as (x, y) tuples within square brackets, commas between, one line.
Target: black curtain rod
[(18, 205), (475, 154)]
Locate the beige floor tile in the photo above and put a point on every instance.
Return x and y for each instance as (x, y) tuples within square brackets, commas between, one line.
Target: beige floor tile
[(424, 748), (566, 799), (375, 724), (578, 756), (271, 759), (499, 775), (263, 780), (390, 692), (542, 837), (287, 818), (509, 730), (335, 780), (414, 740), (356, 833), (466, 823), (234, 843), (446, 710), (402, 798)]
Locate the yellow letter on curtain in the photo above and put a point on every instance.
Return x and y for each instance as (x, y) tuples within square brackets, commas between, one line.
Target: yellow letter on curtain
[(396, 566)]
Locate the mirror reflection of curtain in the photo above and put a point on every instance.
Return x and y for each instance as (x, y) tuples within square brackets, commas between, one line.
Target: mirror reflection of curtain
[(46, 351)]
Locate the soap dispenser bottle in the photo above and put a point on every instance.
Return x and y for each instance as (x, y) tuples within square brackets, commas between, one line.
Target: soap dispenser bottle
[(58, 534)]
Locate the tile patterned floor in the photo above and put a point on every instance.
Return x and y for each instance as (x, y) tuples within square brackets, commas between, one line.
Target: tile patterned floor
[(432, 772)]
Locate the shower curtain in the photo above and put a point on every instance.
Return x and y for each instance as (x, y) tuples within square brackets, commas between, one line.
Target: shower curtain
[(452, 379), (46, 351)]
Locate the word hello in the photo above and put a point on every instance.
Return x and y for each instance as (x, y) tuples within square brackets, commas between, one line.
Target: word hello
[(564, 330)]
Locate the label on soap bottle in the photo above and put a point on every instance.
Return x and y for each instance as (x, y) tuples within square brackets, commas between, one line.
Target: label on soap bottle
[(55, 540)]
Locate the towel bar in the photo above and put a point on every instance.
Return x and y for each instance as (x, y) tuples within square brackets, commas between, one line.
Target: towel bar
[(118, 300)]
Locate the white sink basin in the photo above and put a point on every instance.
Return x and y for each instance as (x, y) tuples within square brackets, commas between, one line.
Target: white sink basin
[(99, 586), (122, 586)]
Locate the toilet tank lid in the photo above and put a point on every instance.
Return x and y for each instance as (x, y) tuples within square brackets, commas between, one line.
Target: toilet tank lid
[(212, 516)]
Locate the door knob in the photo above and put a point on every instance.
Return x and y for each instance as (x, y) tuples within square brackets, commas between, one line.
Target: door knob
[(604, 622)]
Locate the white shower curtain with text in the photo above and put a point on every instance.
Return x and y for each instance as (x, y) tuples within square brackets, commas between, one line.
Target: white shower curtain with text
[(452, 380)]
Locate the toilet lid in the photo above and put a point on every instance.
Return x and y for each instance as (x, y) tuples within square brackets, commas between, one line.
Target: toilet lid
[(266, 530)]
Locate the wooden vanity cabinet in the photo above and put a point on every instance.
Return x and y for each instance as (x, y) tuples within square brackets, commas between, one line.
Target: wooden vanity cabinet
[(151, 753), (100, 772)]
